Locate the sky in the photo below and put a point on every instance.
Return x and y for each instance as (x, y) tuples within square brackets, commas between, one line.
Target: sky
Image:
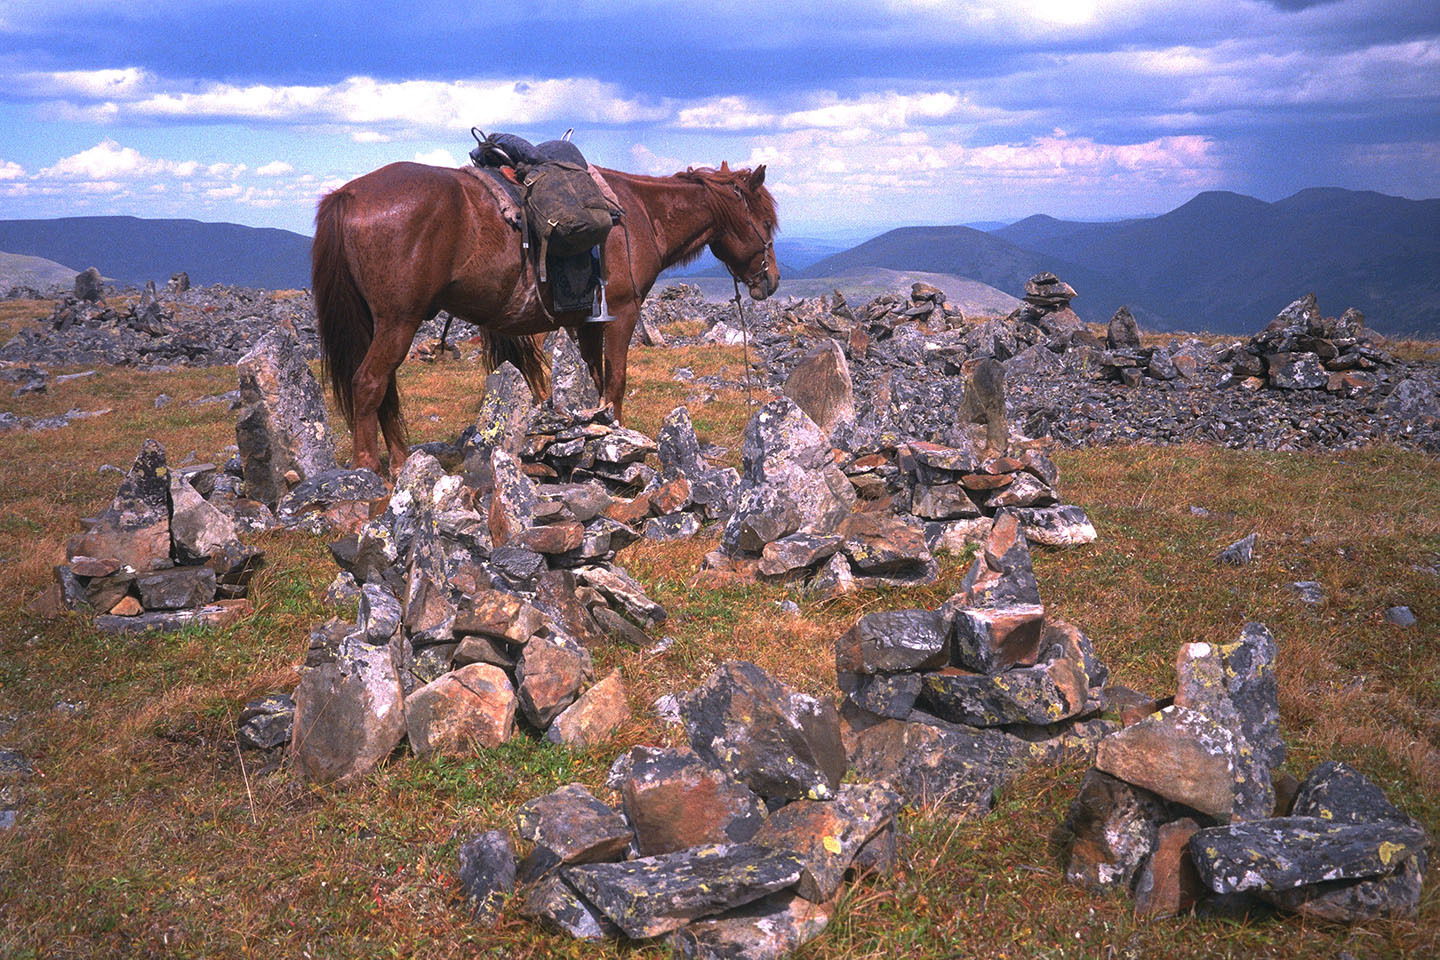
[(867, 115)]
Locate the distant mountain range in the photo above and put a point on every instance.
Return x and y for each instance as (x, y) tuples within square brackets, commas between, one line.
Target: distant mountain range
[(1222, 262), (132, 250)]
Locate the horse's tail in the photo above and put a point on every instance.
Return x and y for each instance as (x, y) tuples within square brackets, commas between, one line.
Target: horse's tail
[(346, 324), (525, 353)]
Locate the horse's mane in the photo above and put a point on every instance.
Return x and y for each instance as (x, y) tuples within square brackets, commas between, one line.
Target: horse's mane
[(725, 211)]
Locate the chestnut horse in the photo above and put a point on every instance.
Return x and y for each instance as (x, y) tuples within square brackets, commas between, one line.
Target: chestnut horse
[(396, 246)]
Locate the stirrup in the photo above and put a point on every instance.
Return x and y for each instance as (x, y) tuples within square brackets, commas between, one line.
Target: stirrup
[(604, 315)]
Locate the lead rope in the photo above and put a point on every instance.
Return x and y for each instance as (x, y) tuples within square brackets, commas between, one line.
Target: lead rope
[(745, 336)]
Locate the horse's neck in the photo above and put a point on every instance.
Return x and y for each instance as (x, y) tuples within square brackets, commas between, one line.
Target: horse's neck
[(680, 215)]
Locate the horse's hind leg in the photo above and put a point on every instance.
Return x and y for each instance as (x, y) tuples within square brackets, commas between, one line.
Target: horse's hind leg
[(377, 401)]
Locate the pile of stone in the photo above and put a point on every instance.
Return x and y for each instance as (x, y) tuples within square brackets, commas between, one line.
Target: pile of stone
[(678, 302), (738, 845), (1303, 350), (1184, 807), (160, 557), (793, 518), (1126, 361), (948, 705)]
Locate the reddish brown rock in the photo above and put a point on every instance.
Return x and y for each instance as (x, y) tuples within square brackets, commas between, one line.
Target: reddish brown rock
[(551, 673), (492, 613), (1169, 884), (134, 530), (629, 512), (594, 717), (94, 566), (675, 800), (992, 639), (552, 538), (127, 606), (820, 385), (827, 834), (985, 481), (462, 710), (670, 497)]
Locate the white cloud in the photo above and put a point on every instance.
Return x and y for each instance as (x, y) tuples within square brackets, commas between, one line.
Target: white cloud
[(105, 160), (10, 170), (274, 169), (439, 157)]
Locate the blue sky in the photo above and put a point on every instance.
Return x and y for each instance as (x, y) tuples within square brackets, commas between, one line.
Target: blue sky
[(868, 114)]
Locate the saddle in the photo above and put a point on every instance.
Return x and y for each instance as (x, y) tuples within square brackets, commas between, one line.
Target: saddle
[(565, 207)]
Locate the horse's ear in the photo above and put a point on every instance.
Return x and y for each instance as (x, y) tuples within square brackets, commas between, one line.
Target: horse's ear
[(757, 179), (724, 166)]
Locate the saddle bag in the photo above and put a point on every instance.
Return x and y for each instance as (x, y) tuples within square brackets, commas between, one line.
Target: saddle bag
[(564, 207)]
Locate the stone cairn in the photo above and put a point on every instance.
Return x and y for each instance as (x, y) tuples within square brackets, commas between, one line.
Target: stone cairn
[(1184, 810), (737, 845), (838, 522), (1302, 350), (160, 557)]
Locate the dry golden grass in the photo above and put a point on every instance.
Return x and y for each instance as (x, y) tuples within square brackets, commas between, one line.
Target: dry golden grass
[(145, 832)]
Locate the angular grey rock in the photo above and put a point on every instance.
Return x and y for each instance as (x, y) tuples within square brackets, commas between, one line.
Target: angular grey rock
[(379, 613), (197, 529), (799, 551), (320, 491), (883, 694), (789, 482), (558, 906), (678, 448), (1400, 616), (135, 529), (674, 526), (1123, 332), (89, 287), (1310, 592), (775, 740), (1023, 695), (177, 588), (1295, 371), (282, 425), (487, 873), (505, 412), (930, 761), (820, 385), (572, 387), (894, 641), (1235, 684), (1282, 853), (1337, 793), (768, 929), (651, 896), (266, 722), (574, 826), (349, 712), (1110, 832), (828, 834), (1239, 553), (1063, 525)]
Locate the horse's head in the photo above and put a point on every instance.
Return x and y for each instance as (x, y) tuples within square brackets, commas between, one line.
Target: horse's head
[(745, 224)]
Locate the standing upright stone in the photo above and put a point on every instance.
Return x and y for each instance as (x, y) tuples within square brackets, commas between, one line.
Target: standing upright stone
[(1124, 332), (820, 384), (790, 481), (282, 425), (349, 711), (572, 387), (89, 286), (984, 402)]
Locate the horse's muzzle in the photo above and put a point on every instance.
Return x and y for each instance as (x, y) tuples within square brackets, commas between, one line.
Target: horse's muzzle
[(764, 288)]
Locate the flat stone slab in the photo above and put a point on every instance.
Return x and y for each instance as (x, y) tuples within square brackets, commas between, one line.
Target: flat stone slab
[(655, 895), (676, 800), (958, 767), (216, 614), (1285, 852), (767, 929)]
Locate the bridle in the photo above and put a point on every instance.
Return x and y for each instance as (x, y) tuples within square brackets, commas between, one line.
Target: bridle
[(750, 281), (767, 246)]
